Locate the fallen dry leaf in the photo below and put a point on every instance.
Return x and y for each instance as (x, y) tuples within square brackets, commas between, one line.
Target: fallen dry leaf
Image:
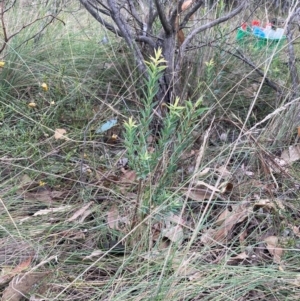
[(128, 175), (56, 194), (35, 298), (296, 230), (113, 218), (60, 134), (22, 266), (225, 187), (273, 248), (173, 218), (162, 244), (18, 269), (95, 253), (240, 256), (224, 172), (85, 215), (6, 276), (279, 204), (203, 172), (21, 286), (244, 171), (265, 203), (277, 165), (213, 236), (202, 184), (269, 204), (174, 234), (53, 210), (25, 180), (225, 214), (199, 195), (185, 268), (188, 154), (291, 154), (14, 251), (81, 212), (43, 196), (242, 237)]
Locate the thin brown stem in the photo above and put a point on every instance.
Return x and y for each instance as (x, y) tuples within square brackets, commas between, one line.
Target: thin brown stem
[(5, 38)]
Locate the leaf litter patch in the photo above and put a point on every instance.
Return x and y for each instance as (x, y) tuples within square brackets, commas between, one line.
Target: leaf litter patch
[(234, 232)]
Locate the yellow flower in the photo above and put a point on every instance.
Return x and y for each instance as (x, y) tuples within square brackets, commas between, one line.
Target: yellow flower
[(32, 105), (44, 87), (2, 64), (41, 183), (52, 103)]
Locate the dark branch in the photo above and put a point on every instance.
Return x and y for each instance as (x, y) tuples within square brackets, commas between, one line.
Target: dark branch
[(116, 16), (100, 10), (247, 61), (95, 13), (152, 16), (40, 31), (11, 6), (146, 40), (126, 34), (191, 35), (134, 12), (190, 13), (100, 2), (163, 19), (209, 25)]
